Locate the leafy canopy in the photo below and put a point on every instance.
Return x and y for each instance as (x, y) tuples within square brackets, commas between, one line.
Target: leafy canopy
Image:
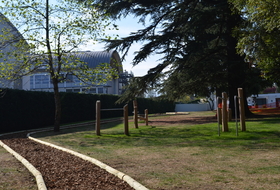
[(260, 39), (52, 35), (196, 40), (59, 29)]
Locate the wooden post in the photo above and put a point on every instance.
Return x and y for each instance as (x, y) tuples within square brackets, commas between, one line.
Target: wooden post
[(241, 109), (219, 115), (146, 117), (135, 116), (97, 119), (224, 112), (125, 119)]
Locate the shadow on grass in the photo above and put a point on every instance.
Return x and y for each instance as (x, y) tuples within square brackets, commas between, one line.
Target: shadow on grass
[(262, 133), (180, 136), (83, 128)]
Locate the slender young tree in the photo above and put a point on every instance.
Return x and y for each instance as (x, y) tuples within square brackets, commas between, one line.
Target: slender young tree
[(52, 34)]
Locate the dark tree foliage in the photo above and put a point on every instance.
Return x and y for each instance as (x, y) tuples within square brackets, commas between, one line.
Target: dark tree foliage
[(196, 40)]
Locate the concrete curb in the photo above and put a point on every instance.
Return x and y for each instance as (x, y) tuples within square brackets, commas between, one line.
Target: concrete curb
[(134, 184), (39, 179)]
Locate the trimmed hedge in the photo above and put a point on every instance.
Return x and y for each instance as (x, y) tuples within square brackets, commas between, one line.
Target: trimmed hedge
[(23, 110)]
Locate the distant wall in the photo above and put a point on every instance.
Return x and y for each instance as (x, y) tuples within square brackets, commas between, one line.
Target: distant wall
[(192, 107)]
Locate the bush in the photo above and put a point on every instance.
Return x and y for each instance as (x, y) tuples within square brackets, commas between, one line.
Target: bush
[(23, 110)]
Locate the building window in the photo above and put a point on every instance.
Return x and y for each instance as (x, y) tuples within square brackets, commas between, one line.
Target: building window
[(72, 80), (69, 78), (76, 90), (39, 81), (100, 90), (260, 101), (92, 90), (31, 82)]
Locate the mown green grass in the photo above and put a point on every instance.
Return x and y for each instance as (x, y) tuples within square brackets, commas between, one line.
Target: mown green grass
[(265, 132), (203, 155)]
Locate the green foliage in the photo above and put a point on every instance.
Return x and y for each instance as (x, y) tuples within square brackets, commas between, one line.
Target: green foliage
[(259, 39), (265, 13), (22, 110), (195, 39), (52, 35), (184, 99), (52, 32)]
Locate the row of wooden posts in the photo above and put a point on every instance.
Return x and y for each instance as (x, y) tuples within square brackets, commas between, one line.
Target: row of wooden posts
[(224, 114), (136, 116)]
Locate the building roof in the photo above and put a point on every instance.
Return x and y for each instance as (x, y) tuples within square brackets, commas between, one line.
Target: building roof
[(7, 26), (94, 58)]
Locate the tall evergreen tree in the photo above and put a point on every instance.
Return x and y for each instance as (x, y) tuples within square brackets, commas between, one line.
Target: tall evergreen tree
[(196, 39)]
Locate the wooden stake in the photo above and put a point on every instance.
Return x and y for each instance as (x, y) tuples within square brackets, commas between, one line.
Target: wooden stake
[(224, 112), (146, 117), (135, 116), (125, 119), (241, 109), (97, 119)]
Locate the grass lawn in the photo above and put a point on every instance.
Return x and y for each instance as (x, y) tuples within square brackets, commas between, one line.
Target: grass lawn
[(184, 156)]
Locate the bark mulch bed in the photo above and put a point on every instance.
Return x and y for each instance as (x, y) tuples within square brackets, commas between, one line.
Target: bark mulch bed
[(62, 170)]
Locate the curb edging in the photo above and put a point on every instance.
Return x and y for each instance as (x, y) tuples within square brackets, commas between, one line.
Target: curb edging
[(134, 184), (38, 176)]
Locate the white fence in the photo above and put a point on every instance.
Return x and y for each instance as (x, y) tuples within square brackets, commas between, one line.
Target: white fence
[(191, 107)]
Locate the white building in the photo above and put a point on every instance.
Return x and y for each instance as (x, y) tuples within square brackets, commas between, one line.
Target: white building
[(265, 100), (40, 81), (6, 46)]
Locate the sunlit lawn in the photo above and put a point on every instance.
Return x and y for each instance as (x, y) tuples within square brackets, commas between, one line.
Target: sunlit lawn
[(185, 156)]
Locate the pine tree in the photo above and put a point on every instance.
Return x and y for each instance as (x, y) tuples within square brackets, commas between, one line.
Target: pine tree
[(197, 41)]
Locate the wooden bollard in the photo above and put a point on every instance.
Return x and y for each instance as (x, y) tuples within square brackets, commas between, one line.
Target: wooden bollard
[(97, 119), (125, 119), (241, 109), (135, 116), (146, 117), (224, 112), (219, 115)]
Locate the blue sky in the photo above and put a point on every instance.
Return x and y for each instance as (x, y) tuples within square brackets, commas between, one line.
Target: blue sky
[(126, 26)]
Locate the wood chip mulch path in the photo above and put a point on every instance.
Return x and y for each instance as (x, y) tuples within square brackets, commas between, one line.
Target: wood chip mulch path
[(62, 170)]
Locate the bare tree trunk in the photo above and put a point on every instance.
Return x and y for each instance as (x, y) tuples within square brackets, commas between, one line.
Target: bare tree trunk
[(54, 77), (57, 106)]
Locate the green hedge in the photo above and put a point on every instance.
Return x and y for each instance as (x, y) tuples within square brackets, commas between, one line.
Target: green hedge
[(23, 110)]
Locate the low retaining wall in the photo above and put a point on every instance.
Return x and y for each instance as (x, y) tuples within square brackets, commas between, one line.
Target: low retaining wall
[(191, 107)]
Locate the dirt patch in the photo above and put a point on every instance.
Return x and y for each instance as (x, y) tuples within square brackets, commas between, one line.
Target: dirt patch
[(181, 119), (13, 174)]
